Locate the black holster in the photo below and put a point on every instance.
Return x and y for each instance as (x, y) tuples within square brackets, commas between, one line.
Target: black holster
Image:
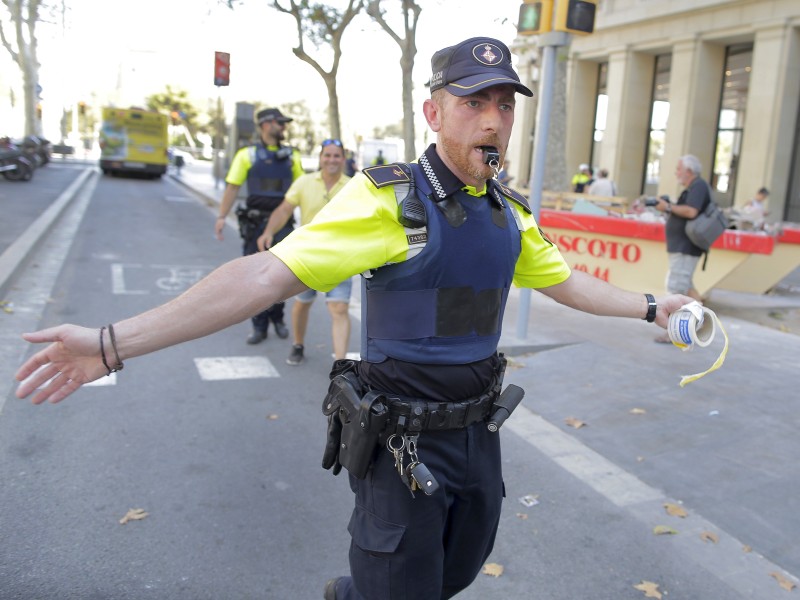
[(355, 420), (250, 221)]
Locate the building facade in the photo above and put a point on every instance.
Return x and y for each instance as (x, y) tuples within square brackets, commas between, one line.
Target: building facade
[(658, 79)]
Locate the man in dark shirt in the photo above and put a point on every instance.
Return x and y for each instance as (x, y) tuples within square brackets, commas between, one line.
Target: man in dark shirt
[(683, 254)]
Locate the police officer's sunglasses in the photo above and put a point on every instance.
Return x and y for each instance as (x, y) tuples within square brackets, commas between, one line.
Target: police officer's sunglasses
[(333, 141)]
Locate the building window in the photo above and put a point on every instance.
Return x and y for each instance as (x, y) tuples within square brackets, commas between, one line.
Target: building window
[(600, 114), (730, 125), (659, 114)]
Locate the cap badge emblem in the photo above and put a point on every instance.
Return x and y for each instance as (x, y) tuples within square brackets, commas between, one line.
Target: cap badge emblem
[(488, 54)]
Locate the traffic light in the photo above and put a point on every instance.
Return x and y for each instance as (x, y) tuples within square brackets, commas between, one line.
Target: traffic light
[(535, 17), (576, 16), (222, 68)]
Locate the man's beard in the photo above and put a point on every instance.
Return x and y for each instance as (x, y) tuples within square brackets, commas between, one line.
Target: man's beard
[(459, 154)]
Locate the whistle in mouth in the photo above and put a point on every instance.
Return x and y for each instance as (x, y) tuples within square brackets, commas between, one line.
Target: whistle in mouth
[(490, 155)]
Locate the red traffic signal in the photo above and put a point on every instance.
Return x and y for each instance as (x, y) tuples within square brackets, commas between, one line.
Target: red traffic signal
[(222, 68)]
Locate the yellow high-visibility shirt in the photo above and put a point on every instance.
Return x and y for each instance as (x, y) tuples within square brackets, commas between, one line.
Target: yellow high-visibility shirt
[(358, 230)]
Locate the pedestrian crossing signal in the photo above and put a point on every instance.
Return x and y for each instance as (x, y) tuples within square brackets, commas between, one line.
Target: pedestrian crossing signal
[(535, 17), (576, 16)]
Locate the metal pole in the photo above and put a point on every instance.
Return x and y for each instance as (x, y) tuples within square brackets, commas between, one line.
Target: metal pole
[(218, 143), (550, 41)]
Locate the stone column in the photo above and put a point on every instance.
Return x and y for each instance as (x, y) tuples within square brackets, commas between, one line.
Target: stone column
[(694, 94), (770, 120)]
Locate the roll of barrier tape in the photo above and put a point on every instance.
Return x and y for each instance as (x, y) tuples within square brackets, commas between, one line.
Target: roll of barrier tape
[(695, 325)]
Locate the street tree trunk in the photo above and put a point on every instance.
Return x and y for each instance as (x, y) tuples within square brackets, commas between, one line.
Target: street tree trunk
[(408, 49), (22, 48), (555, 171), (322, 25)]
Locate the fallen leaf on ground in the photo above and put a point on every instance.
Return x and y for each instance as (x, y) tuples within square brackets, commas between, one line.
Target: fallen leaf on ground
[(638, 411), (649, 588), (522, 516), (675, 510), (573, 422), (708, 536), (783, 581), (493, 569), (747, 548), (272, 417), (664, 530), (133, 514)]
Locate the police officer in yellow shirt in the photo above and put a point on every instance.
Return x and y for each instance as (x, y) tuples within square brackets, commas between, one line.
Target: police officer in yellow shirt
[(269, 168), (415, 421)]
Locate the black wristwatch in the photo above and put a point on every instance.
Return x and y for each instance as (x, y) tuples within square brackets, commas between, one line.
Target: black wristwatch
[(652, 307)]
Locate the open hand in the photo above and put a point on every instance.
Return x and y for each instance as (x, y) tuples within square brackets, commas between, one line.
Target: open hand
[(71, 359)]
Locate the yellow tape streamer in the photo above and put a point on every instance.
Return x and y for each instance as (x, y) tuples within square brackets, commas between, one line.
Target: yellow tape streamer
[(695, 325)]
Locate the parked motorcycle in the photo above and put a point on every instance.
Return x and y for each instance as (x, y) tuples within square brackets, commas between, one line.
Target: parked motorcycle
[(14, 164), (37, 149)]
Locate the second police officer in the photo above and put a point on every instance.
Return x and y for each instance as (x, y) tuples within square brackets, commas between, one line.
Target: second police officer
[(269, 168)]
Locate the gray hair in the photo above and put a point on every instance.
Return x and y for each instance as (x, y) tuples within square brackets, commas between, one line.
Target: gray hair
[(691, 163)]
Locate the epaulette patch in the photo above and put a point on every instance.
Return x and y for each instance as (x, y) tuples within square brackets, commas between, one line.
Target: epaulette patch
[(383, 175), (515, 196)]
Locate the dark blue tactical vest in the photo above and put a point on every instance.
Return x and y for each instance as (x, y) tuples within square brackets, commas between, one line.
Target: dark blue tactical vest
[(445, 305), (269, 177)]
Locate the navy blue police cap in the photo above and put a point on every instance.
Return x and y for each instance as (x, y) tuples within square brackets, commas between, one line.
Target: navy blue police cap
[(473, 65), (272, 114)]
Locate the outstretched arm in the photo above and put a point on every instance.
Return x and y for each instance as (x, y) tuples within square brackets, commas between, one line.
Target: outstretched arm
[(592, 295), (232, 293)]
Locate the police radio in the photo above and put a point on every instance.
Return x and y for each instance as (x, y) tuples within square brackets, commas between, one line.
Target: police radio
[(283, 153)]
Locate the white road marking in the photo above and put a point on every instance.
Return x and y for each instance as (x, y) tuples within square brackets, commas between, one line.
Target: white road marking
[(619, 486), (219, 368), (118, 279), (736, 568), (108, 380)]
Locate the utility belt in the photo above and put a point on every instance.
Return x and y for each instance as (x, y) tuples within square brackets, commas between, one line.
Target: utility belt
[(360, 420), (406, 414)]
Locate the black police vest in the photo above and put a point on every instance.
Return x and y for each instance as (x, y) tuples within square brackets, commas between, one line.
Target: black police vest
[(269, 177), (445, 305)]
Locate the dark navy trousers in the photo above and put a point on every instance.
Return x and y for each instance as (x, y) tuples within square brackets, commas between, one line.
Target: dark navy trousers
[(426, 547)]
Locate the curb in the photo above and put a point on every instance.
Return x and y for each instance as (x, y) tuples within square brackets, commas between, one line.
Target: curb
[(14, 256)]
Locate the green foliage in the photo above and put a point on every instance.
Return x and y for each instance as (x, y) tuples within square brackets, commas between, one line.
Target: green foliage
[(175, 103)]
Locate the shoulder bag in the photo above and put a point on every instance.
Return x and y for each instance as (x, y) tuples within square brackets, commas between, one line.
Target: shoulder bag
[(707, 226)]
